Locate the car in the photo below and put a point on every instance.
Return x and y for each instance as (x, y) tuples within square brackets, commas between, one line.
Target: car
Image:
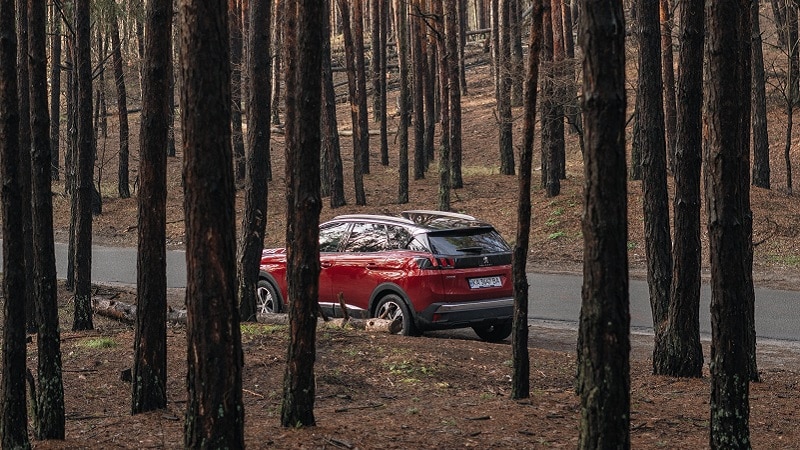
[(432, 270)]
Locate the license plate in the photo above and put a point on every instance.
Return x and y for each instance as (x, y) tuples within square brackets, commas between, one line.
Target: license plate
[(484, 282)]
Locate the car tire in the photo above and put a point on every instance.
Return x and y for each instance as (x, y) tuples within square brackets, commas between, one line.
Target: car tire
[(393, 307), (267, 298), (494, 333)]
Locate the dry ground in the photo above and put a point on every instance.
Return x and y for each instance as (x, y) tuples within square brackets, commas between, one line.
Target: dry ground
[(445, 390)]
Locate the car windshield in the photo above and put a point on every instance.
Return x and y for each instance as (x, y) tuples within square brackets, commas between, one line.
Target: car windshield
[(470, 241)]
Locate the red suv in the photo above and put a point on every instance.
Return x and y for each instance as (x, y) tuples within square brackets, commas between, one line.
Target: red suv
[(431, 269)]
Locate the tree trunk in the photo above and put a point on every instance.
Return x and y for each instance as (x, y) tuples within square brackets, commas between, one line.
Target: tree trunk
[(254, 219), (515, 49), (277, 69), (787, 148), (418, 70), (382, 19), (551, 182), (302, 225), (49, 420), (604, 345), (504, 82), (761, 169), (214, 410), (357, 22), (727, 206), (430, 96), (85, 170), (451, 32), (14, 425), (55, 90), (355, 105), (444, 94), (560, 91), (150, 344), (520, 387), (779, 13), (330, 144), (668, 77), (123, 185), (679, 352), (237, 89), (654, 167), (462, 44), (401, 36)]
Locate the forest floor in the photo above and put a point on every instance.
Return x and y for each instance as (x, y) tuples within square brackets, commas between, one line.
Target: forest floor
[(446, 389)]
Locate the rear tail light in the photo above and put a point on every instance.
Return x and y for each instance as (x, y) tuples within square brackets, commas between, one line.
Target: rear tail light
[(433, 263)]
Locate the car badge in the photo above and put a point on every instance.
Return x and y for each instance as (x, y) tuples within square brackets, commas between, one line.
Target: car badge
[(485, 261)]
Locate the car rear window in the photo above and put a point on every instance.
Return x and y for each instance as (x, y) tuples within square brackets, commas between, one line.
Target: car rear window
[(468, 241)]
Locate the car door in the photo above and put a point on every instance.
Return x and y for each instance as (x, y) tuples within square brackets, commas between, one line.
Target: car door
[(356, 271), (331, 238)]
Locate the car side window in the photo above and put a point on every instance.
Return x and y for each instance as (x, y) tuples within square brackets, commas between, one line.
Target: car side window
[(367, 237), (399, 237), (331, 237)]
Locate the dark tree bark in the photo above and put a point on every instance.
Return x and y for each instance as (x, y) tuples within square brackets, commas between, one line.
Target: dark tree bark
[(504, 82), (123, 184), (355, 103), (50, 402), (463, 17), (302, 225), (791, 90), (551, 182), (237, 136), (85, 170), (418, 71), (679, 352), (277, 60), (515, 48), (14, 425), (55, 89), (559, 78), (430, 96), (451, 32), (728, 207), (779, 13), (654, 167), (604, 345), (254, 219), (380, 14), (761, 168), (520, 387), (23, 97), (444, 118), (331, 149), (572, 108), (668, 77), (357, 23), (401, 36), (150, 344), (214, 410)]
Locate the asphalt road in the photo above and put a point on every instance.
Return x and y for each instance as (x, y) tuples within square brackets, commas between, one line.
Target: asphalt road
[(553, 297)]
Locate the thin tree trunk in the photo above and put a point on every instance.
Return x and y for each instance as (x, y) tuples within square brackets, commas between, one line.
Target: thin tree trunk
[(451, 33), (277, 66), (551, 182), (668, 77), (761, 165), (85, 171), (123, 185), (444, 95), (401, 36), (237, 44), (418, 58), (520, 387), (505, 82), (355, 108), (55, 90), (357, 23), (330, 144)]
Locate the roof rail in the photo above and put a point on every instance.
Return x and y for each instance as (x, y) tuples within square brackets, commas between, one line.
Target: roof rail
[(425, 215), (373, 217)]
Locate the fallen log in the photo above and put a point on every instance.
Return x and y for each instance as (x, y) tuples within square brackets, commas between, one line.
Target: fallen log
[(126, 313)]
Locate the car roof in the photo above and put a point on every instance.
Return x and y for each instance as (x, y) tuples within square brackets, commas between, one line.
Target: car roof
[(422, 219)]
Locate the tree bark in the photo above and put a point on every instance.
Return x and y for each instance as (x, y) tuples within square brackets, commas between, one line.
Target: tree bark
[(123, 184), (418, 71), (668, 77), (520, 387), (604, 345), (445, 144), (357, 22), (761, 168), (679, 352), (302, 225), (451, 32), (214, 410), (654, 167), (504, 82), (552, 128), (14, 425), (401, 36), (150, 344), (237, 89), (331, 148), (55, 90), (254, 219), (727, 206), (85, 170)]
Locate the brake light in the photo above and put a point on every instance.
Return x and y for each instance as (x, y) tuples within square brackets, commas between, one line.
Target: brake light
[(433, 263), (447, 263)]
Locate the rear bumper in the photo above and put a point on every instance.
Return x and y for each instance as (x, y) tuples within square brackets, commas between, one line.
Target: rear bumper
[(466, 314)]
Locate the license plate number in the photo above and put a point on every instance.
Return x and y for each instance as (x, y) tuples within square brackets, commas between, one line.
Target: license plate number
[(484, 282)]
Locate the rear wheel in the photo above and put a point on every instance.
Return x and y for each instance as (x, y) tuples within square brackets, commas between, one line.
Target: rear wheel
[(267, 300), (392, 307), (494, 333)]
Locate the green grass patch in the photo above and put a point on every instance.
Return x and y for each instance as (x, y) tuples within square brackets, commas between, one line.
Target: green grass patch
[(99, 343), (786, 260), (556, 235), (257, 329)]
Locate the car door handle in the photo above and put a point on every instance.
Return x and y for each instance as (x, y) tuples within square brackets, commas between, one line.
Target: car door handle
[(325, 265), (372, 266)]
